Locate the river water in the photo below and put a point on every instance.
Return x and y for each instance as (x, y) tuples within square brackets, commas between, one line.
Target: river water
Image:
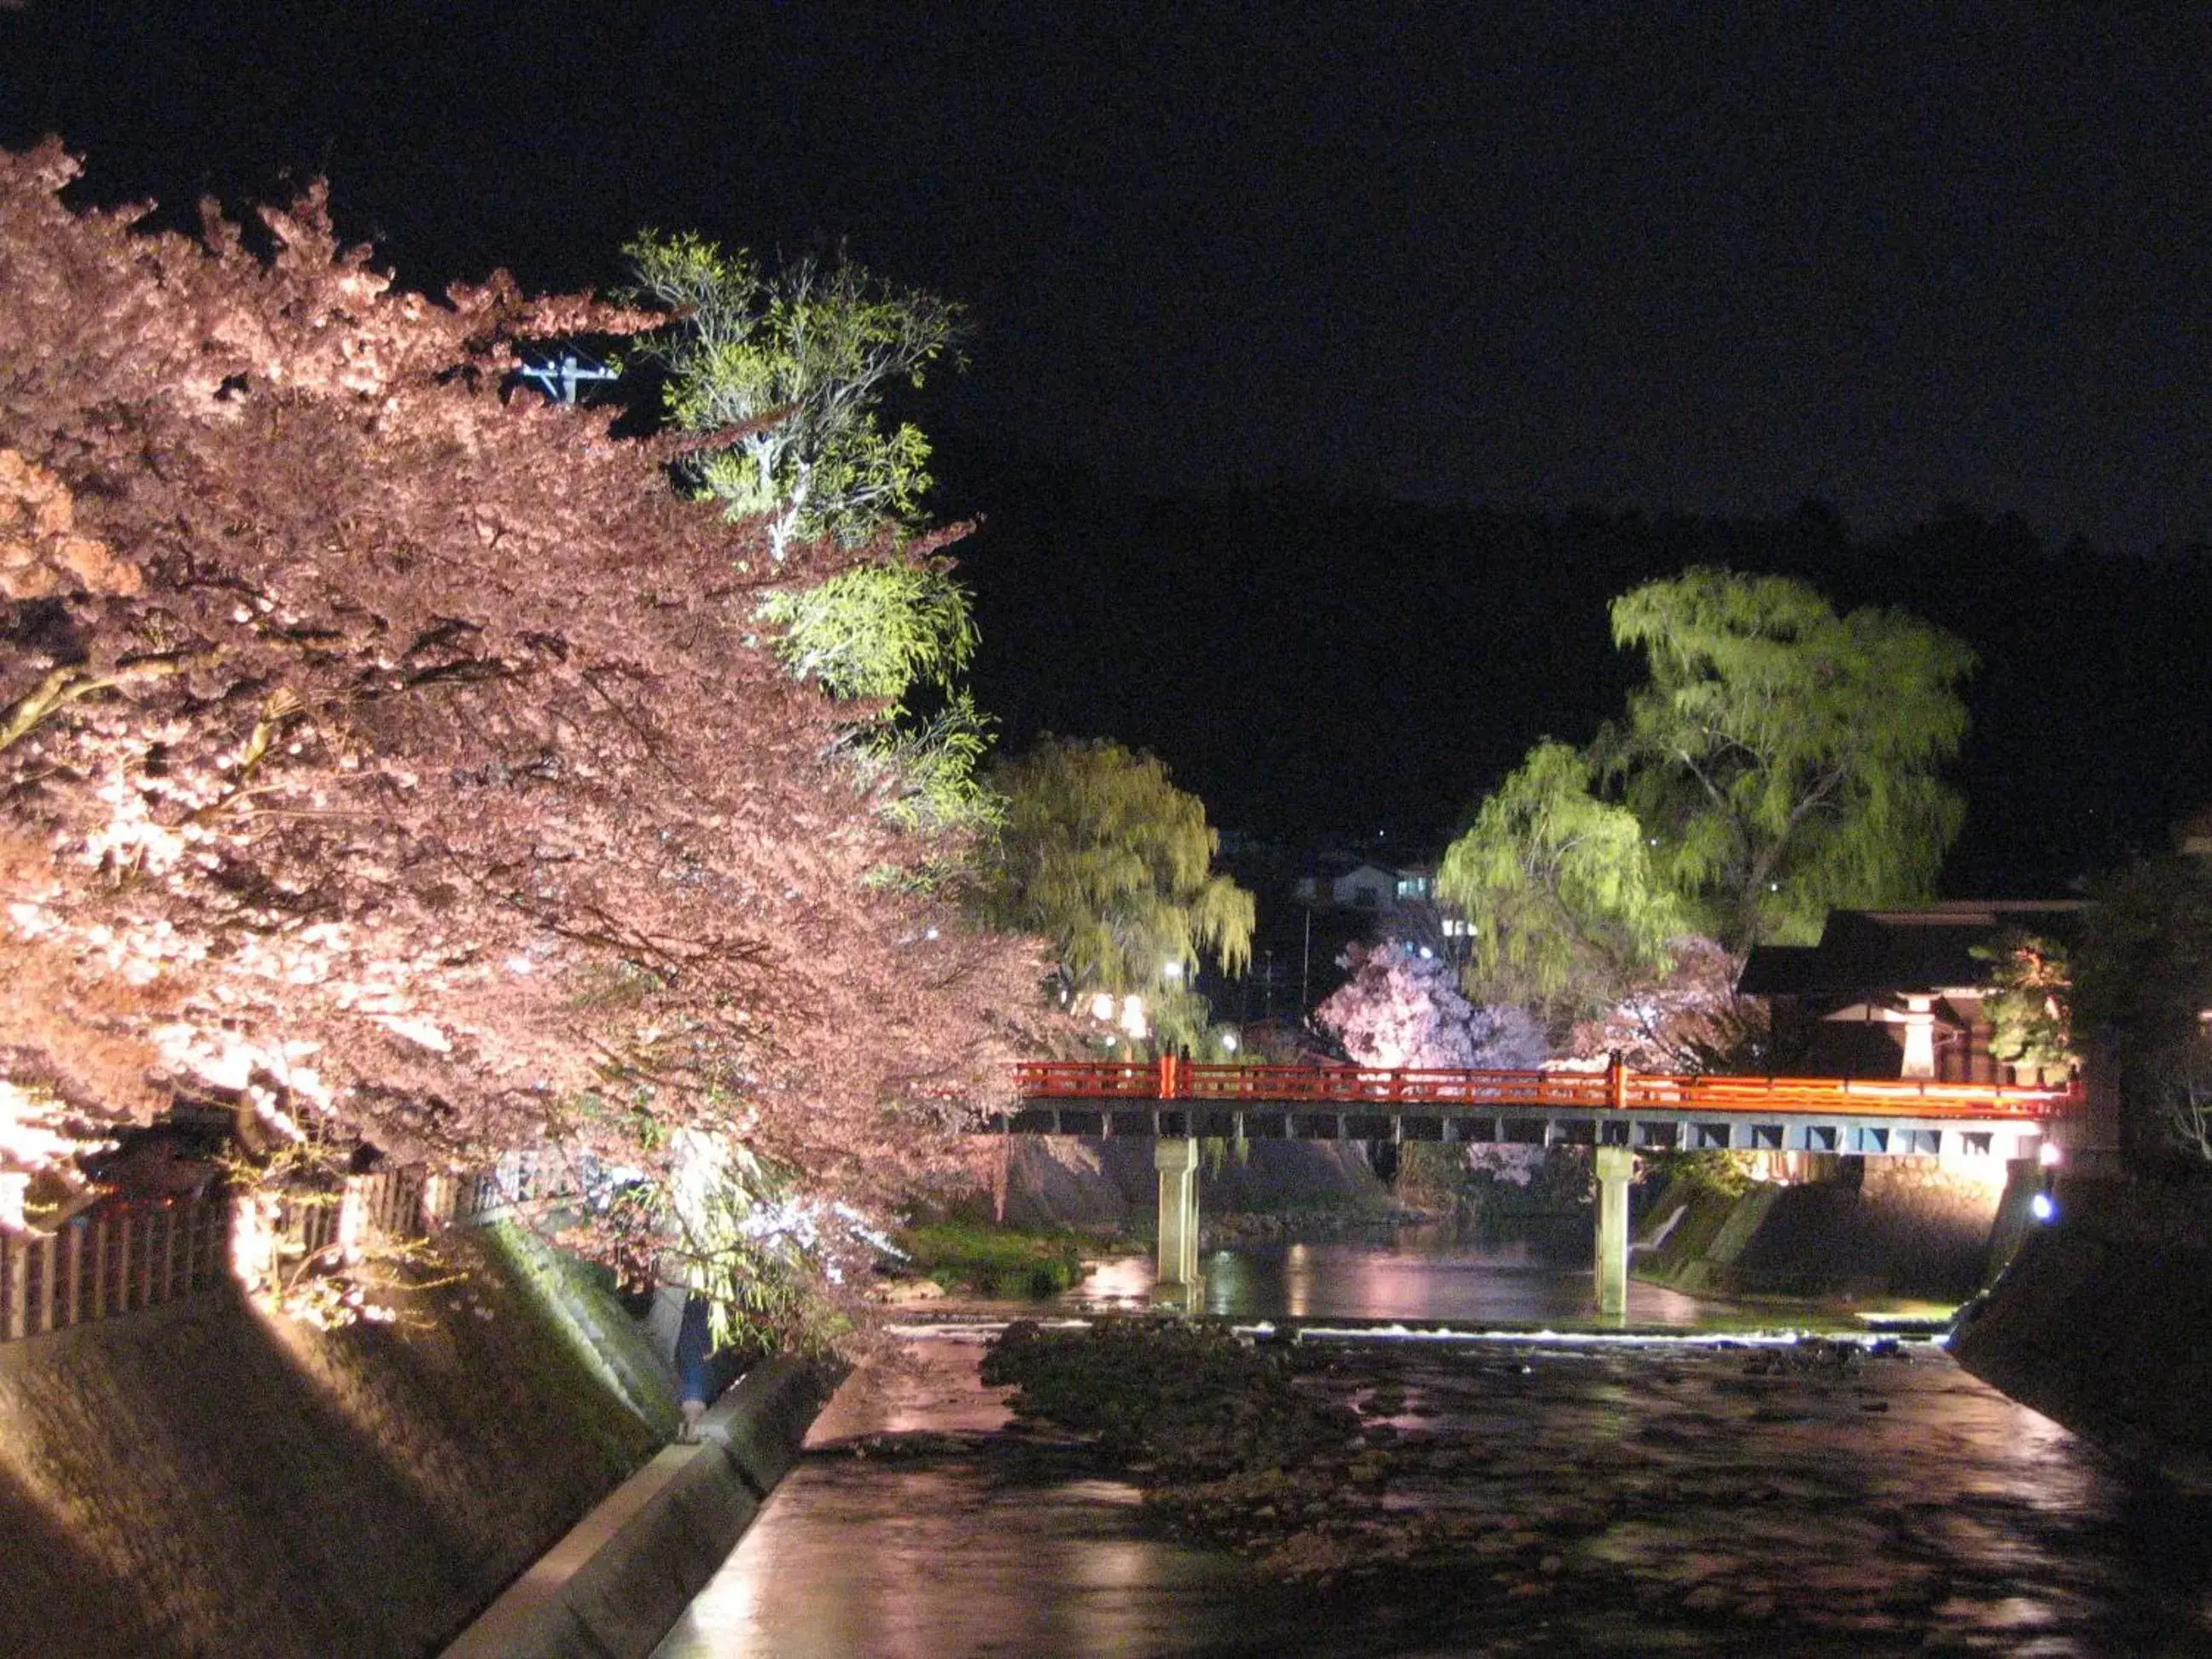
[(1690, 1487)]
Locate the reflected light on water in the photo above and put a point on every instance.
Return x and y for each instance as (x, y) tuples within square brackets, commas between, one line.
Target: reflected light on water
[(1122, 1279), (1297, 1282)]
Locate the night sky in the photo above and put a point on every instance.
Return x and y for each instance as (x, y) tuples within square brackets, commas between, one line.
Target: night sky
[(1268, 301)]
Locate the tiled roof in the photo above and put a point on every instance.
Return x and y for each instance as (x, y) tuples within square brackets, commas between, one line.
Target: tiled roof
[(1865, 952)]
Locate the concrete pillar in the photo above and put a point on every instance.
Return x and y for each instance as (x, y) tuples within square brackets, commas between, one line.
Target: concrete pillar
[(1614, 1166), (1178, 1164)]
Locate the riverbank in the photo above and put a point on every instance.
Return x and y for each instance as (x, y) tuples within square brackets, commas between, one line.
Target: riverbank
[(201, 1478), (1875, 1230), (2103, 1321)]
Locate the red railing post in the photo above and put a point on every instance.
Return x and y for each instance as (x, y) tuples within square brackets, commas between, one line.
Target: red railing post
[(1616, 1081)]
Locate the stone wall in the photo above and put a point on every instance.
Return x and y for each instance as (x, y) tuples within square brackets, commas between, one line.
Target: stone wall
[(1907, 1227), (621, 1578), (200, 1478), (1107, 1186), (2103, 1321)]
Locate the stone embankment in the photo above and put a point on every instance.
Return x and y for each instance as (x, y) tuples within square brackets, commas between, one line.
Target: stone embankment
[(2103, 1320), (202, 1479), (1109, 1186), (1893, 1227), (614, 1587)]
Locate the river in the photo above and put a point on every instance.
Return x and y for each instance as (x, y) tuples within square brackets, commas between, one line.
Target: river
[(1689, 1486)]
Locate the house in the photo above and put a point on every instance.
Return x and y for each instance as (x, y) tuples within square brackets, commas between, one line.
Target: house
[(1895, 994), (1363, 884)]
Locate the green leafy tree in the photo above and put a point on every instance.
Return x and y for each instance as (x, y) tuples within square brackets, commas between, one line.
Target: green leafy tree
[(2029, 1002), (877, 630), (784, 377), (794, 368), (1101, 854), (1567, 908), (1785, 758), (2142, 981)]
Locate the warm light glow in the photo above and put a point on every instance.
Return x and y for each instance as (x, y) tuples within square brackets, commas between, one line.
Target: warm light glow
[(1101, 1006), (2049, 1155), (1171, 969)]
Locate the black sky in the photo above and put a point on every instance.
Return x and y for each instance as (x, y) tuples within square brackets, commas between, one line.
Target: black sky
[(1542, 258), (1534, 255)]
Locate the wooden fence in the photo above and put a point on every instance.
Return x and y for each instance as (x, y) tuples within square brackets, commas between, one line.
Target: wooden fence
[(113, 1260), (123, 1256)]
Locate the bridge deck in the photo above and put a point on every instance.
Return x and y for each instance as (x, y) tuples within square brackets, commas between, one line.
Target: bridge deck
[(1175, 1098)]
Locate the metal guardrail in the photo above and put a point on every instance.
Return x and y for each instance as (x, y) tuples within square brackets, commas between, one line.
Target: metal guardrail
[(1173, 1078)]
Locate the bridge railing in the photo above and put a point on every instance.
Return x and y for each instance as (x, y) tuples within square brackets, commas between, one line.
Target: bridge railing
[(1172, 1078)]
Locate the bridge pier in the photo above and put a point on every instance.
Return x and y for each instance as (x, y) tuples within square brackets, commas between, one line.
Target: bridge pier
[(1176, 1161), (1615, 1164)]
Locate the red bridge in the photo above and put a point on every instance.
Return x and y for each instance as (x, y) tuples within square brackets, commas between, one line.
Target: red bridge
[(1174, 1097), (1175, 1103)]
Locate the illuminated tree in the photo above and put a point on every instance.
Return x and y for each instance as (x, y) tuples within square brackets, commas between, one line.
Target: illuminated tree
[(1401, 1008), (2029, 1003), (1567, 909), (1786, 759), (790, 372), (388, 759), (1103, 856), (779, 379), (1688, 1019)]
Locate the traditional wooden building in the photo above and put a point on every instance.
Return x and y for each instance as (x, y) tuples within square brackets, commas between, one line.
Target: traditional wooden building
[(1895, 994)]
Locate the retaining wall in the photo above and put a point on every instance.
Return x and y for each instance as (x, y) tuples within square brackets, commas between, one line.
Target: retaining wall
[(1091, 1184), (2103, 1320), (198, 1478), (1875, 1227), (619, 1581)]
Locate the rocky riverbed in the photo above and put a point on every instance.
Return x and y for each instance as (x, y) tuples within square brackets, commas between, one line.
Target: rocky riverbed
[(1798, 1496)]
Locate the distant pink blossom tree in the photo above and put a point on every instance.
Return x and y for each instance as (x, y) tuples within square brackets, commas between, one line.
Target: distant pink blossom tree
[(1402, 1008)]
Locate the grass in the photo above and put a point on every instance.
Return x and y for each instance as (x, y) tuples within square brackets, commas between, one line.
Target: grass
[(1003, 1263)]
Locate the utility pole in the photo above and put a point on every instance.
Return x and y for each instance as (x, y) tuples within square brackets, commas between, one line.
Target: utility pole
[(559, 379)]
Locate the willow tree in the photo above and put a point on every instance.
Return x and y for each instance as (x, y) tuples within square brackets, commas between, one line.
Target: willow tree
[(1103, 856), (1781, 758), (1567, 907)]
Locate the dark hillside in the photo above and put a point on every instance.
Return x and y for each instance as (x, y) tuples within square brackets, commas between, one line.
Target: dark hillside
[(1314, 662)]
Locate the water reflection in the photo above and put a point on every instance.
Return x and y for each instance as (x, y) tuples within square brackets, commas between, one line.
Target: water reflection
[(1414, 1273)]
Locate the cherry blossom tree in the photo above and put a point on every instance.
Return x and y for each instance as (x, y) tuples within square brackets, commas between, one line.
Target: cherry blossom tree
[(389, 757), (1402, 1008)]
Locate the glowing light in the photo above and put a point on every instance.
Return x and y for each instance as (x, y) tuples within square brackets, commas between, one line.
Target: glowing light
[(2048, 1155), (1229, 1041), (1171, 969), (2043, 1207), (1101, 1006)]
